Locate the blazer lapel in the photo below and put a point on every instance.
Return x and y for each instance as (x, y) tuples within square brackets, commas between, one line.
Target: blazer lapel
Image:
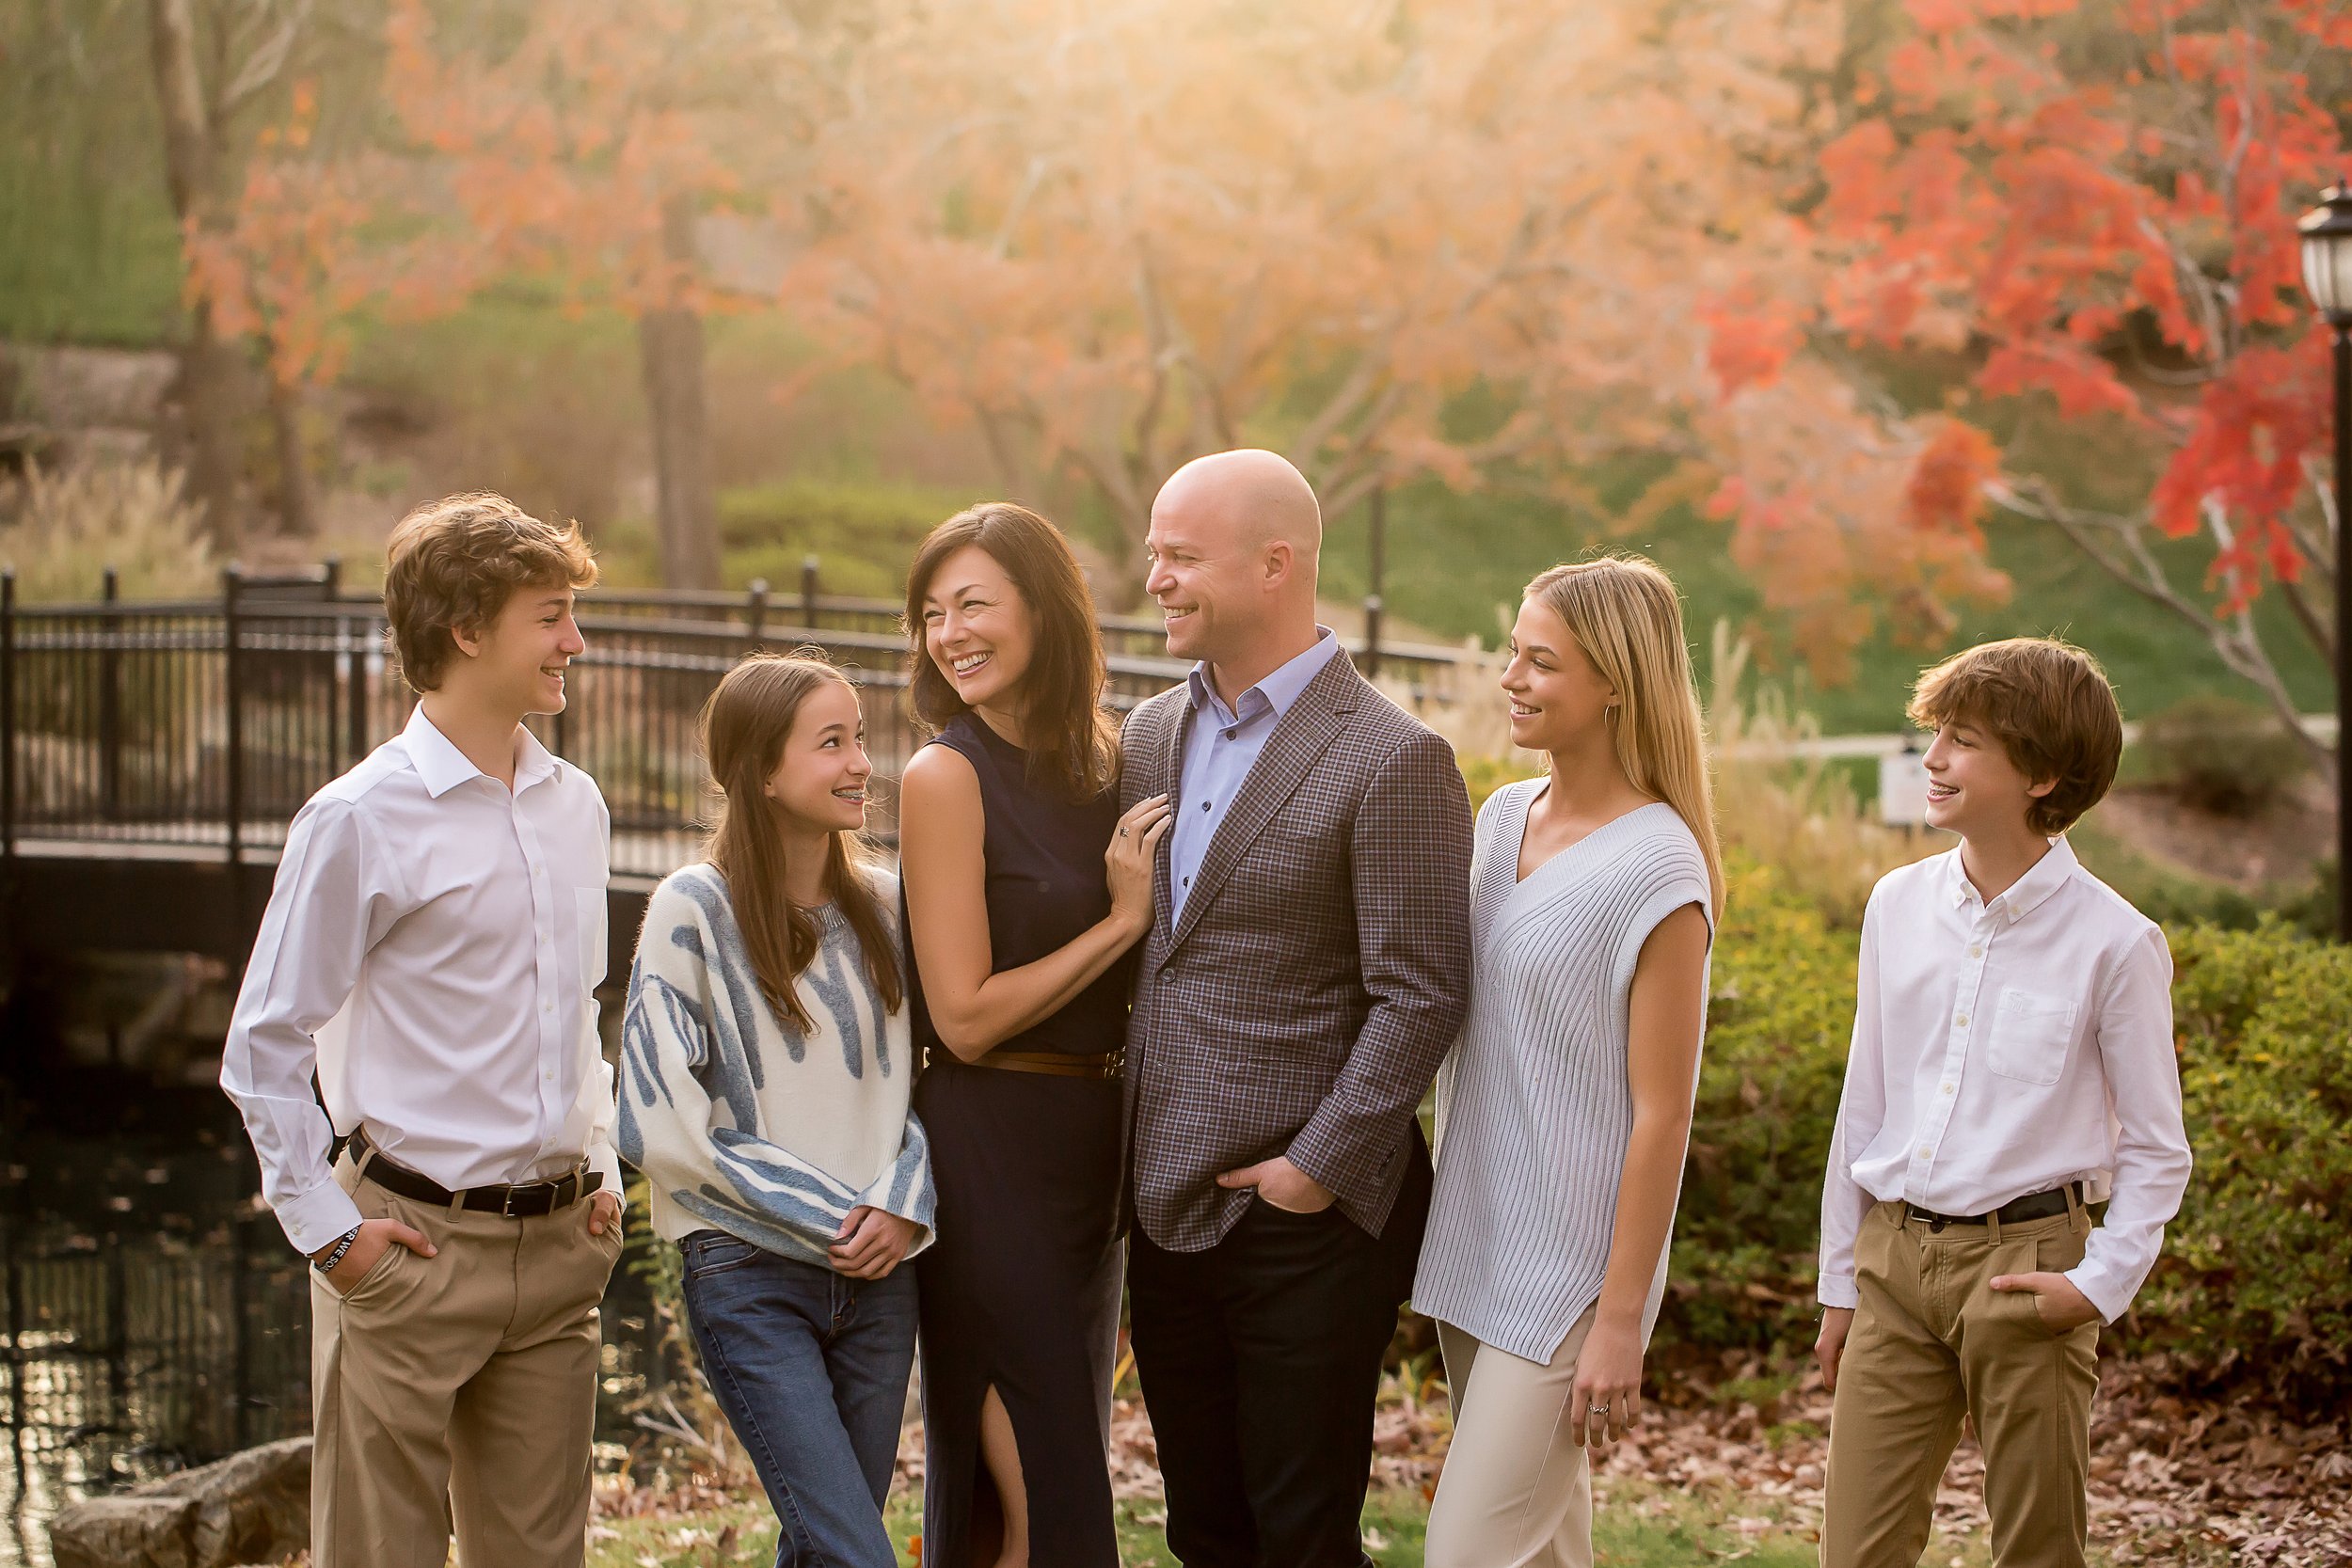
[(1171, 780), (1302, 736)]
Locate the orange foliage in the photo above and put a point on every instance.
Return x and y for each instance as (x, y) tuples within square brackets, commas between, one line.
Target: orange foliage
[(1490, 237), (2113, 227), (287, 268)]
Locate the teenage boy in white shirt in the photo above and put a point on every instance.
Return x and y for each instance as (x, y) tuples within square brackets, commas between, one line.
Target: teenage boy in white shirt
[(2012, 1061), (442, 906)]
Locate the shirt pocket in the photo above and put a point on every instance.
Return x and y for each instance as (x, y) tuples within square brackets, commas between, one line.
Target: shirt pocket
[(588, 923), (2031, 1036)]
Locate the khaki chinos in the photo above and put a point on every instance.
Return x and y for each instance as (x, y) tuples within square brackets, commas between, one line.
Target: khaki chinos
[(1932, 1340), (468, 1379)]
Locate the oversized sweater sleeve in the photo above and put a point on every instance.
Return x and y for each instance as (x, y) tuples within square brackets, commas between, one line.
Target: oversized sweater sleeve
[(688, 1119)]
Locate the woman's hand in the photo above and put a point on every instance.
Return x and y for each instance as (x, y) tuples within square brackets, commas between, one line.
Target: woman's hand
[(872, 1243), (1606, 1399), (1129, 862)]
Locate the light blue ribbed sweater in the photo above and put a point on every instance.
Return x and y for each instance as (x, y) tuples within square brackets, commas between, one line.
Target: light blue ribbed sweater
[(1534, 1110)]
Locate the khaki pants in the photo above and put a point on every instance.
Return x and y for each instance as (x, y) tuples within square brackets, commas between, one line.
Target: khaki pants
[(1932, 1340), (467, 1378), (1515, 1493)]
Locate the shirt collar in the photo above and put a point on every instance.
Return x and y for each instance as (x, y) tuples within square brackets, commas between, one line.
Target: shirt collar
[(2050, 873), (443, 767), (1277, 691)]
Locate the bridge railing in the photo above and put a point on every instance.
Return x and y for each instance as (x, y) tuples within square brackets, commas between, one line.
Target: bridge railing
[(203, 726)]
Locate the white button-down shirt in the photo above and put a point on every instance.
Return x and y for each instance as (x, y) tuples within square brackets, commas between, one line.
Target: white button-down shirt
[(432, 947), (2008, 1047)]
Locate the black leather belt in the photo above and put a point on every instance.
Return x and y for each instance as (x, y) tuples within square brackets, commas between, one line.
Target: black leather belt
[(1052, 1063), (2035, 1206), (516, 1200)]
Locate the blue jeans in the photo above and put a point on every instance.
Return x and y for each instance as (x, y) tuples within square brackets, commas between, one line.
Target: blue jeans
[(811, 1368)]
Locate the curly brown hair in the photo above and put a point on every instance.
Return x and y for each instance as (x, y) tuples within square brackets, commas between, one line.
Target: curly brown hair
[(455, 562), (2052, 709)]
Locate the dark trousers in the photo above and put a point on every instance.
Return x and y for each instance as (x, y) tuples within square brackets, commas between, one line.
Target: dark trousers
[(1260, 1360)]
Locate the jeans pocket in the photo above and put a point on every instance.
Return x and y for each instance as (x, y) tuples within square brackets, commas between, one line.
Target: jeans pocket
[(715, 1252)]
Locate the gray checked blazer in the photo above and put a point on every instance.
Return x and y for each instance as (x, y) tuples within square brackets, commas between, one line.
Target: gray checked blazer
[(1320, 970)]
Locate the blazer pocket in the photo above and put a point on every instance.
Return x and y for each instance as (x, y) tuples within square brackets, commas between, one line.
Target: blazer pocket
[(2031, 1036)]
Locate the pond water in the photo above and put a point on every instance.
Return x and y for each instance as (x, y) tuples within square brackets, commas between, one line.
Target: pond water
[(151, 1314)]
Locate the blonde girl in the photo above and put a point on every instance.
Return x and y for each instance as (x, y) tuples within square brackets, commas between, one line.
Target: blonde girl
[(1565, 1110)]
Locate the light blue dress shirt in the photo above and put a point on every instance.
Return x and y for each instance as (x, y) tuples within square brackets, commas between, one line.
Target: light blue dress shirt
[(1221, 747)]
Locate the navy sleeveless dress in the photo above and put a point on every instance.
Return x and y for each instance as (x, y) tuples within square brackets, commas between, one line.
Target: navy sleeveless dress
[(1021, 1289)]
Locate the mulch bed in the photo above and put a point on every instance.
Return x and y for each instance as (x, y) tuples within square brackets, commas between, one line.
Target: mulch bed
[(2169, 1474)]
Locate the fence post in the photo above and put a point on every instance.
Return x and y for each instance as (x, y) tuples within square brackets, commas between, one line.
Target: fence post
[(356, 680), (330, 584), (756, 613), (1377, 517), (7, 713), (808, 592), (232, 695), (109, 698), (1372, 634)]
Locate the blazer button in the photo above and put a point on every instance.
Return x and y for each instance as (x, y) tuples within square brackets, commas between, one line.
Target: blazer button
[(1167, 972)]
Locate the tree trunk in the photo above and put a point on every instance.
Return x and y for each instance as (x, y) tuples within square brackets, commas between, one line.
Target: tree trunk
[(208, 367), (295, 514), (670, 349)]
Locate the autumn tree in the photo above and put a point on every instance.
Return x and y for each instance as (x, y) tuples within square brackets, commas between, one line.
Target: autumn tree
[(587, 142), (247, 49), (1392, 241), (2087, 207), (285, 269)]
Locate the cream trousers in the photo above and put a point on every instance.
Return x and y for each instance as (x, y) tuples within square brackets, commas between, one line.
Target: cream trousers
[(457, 1391), (1515, 1492)]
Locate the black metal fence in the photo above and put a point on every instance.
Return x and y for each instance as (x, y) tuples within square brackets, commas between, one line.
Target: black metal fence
[(127, 1357), (205, 725)]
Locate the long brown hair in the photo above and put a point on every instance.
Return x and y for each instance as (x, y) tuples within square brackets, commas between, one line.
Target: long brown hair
[(1070, 740), (744, 727)]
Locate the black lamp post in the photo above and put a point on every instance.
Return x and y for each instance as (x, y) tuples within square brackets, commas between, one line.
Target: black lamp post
[(2327, 231)]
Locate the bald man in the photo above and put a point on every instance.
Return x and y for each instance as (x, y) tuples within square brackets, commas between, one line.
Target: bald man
[(1307, 967)]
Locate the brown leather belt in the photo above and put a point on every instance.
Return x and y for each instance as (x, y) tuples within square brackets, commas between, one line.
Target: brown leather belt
[(517, 1200), (1052, 1063), (2034, 1206)]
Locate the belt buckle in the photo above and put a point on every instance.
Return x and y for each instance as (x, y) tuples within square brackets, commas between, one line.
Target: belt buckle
[(506, 1203)]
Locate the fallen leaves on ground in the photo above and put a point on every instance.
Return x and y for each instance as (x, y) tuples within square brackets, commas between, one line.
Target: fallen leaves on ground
[(2168, 1473)]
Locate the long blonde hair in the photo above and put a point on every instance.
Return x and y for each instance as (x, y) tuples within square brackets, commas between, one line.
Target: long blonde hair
[(1624, 612)]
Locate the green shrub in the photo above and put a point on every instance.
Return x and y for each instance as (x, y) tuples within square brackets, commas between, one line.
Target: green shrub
[(2253, 1284), (2221, 755), (1779, 1018), (2257, 1272), (864, 536)]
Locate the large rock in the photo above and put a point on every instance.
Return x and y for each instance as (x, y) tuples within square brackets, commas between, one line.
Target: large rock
[(251, 1507)]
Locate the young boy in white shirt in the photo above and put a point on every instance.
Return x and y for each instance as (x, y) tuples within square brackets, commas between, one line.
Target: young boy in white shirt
[(442, 905), (2012, 1061)]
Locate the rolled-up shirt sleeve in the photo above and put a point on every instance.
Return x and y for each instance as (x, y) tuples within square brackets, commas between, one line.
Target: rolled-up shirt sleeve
[(322, 919), (2134, 1035)]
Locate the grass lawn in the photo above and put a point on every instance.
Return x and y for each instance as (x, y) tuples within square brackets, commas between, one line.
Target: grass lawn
[(1638, 1524)]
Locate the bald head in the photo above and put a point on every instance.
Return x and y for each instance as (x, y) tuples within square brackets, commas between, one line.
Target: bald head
[(1233, 542), (1254, 493)]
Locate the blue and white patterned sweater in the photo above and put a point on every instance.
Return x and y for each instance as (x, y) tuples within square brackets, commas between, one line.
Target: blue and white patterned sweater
[(741, 1122)]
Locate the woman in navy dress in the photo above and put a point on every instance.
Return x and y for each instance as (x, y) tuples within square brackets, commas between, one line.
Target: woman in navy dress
[(1025, 894)]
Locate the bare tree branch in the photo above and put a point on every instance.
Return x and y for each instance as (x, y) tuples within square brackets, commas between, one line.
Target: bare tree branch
[(2119, 546)]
